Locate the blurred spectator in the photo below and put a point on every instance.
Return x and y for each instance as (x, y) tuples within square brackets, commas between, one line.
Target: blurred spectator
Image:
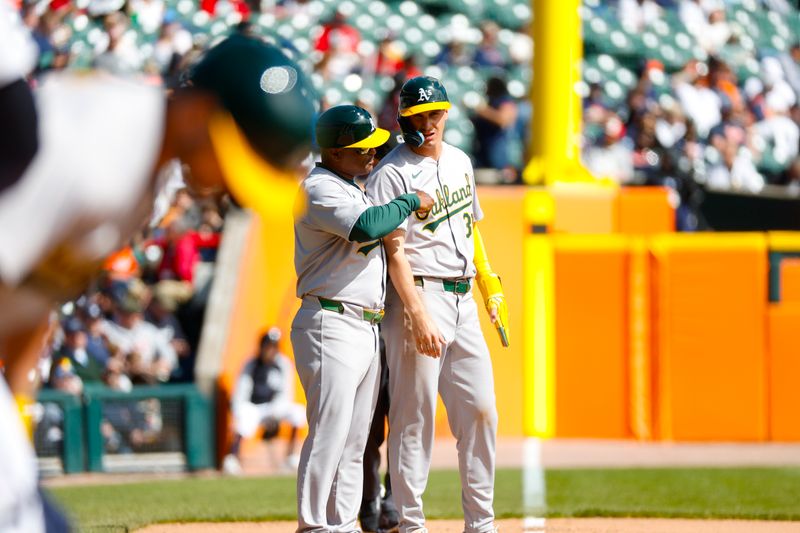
[(610, 158), (735, 172), (791, 66), (723, 82), (494, 124), (96, 343), (389, 59), (121, 265), (150, 356), (488, 53), (338, 43), (730, 130), (705, 20), (74, 350), (181, 250), (167, 297), (636, 15), (670, 127), (782, 134), (454, 54), (264, 397), (63, 378), (122, 55), (173, 43), (595, 109), (779, 95), (147, 14), (700, 103), (792, 177)]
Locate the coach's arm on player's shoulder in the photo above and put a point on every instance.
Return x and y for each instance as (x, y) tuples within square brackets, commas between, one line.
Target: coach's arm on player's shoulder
[(378, 221), (427, 336)]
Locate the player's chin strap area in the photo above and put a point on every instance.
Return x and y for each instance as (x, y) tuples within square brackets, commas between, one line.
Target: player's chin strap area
[(491, 288), (411, 136)]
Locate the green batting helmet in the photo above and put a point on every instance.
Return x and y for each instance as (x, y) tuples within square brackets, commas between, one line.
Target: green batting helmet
[(262, 131), (421, 94), (349, 126), (267, 94)]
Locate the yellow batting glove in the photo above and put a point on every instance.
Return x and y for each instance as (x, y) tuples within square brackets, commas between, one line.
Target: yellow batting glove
[(491, 289)]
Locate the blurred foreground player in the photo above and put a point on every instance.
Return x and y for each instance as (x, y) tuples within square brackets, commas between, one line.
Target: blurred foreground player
[(239, 127), (264, 397), (22, 506)]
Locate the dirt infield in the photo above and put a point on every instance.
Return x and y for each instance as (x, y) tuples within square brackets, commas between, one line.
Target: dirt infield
[(560, 525)]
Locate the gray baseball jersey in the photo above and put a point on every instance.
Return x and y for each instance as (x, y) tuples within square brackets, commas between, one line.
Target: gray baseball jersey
[(340, 399), (438, 246), (440, 243), (327, 263)]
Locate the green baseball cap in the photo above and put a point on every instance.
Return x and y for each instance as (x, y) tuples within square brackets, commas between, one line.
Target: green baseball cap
[(264, 131), (421, 94), (349, 126)]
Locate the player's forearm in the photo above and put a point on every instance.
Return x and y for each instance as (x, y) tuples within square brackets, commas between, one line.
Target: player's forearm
[(403, 281), (380, 220)]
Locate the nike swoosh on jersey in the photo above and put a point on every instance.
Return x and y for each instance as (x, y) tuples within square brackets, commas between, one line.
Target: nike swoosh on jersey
[(415, 176)]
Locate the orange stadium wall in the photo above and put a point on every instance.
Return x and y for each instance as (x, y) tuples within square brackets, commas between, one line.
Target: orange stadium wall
[(264, 297), (710, 336), (591, 336)]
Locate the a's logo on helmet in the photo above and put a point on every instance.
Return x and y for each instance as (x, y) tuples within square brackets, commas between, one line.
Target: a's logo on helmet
[(277, 80), (425, 95)]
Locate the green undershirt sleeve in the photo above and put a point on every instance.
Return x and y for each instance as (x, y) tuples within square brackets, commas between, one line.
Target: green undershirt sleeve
[(380, 220)]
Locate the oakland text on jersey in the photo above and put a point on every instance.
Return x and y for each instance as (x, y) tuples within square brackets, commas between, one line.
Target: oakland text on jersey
[(460, 200)]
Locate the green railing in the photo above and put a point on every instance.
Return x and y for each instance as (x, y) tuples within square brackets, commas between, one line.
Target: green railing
[(73, 447), (86, 418)]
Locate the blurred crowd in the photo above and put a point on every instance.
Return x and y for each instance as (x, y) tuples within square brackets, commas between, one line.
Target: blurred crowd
[(355, 51), (140, 324), (705, 124)]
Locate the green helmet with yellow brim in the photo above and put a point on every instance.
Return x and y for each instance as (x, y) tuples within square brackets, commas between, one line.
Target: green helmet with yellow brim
[(418, 95), (263, 131), (349, 126)]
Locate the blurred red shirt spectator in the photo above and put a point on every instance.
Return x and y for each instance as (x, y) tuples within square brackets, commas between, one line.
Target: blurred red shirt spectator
[(345, 36)]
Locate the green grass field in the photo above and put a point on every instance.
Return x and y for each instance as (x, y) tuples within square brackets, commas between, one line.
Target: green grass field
[(759, 493)]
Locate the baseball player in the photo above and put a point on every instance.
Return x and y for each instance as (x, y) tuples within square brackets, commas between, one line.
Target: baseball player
[(341, 272), (433, 339), (264, 396), (102, 143)]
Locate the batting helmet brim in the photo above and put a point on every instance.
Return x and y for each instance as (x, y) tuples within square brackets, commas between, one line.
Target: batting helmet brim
[(421, 108), (376, 138), (253, 181)]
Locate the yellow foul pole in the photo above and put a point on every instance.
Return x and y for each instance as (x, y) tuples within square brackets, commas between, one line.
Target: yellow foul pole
[(556, 124)]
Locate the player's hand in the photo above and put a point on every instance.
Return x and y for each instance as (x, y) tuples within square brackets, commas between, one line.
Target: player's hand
[(493, 313), (429, 339), (425, 202)]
